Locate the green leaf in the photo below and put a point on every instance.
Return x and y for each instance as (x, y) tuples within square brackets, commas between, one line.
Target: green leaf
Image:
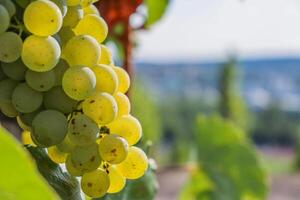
[(156, 9), (65, 185), (19, 177)]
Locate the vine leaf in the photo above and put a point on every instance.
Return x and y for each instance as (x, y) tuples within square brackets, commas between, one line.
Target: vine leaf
[(19, 177), (64, 184), (156, 10)]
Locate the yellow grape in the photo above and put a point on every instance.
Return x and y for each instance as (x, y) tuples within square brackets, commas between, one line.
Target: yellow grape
[(117, 180), (92, 25), (62, 5), (113, 149), (40, 54), (73, 2), (123, 104), (79, 82), (100, 107), (90, 9), (26, 138), (22, 125), (106, 56), (74, 14), (71, 168), (43, 18), (135, 165), (127, 127), (56, 155), (95, 184), (124, 79), (82, 50), (107, 80), (11, 47)]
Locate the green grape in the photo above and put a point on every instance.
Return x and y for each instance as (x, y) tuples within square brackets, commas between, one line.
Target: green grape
[(135, 165), (123, 104), (82, 130), (15, 70), (59, 71), (113, 149), (107, 79), (11, 47), (27, 118), (9, 6), (66, 145), (82, 50), (49, 127), (73, 2), (2, 75), (56, 155), (117, 181), (95, 184), (71, 169), (100, 107), (22, 125), (9, 110), (92, 25), (85, 3), (57, 99), (86, 158), (79, 82), (74, 15), (25, 99), (65, 35), (62, 4), (7, 87), (127, 127), (106, 56), (40, 81), (90, 9), (124, 79), (43, 18), (40, 54), (4, 19)]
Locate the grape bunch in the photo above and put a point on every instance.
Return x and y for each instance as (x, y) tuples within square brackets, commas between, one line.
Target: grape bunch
[(60, 83)]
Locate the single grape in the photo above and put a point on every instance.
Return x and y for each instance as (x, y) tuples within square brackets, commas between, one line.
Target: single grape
[(57, 99), (7, 87), (40, 81), (74, 15), (26, 138), (82, 50), (117, 181), (4, 19), (11, 47), (25, 99), (43, 18), (73, 2), (92, 25), (91, 9), (113, 149), (40, 54), (56, 155), (71, 169), (9, 6), (124, 79), (82, 130), (15, 70), (59, 71), (135, 165), (95, 184), (86, 158), (66, 145), (100, 107), (22, 125), (106, 56), (123, 104), (107, 79), (62, 4), (127, 127), (49, 127)]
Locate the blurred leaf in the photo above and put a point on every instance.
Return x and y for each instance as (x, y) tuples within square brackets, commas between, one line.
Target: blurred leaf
[(65, 185), (156, 9), (229, 161), (19, 177)]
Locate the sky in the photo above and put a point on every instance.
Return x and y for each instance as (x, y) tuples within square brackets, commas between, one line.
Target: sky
[(208, 29)]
